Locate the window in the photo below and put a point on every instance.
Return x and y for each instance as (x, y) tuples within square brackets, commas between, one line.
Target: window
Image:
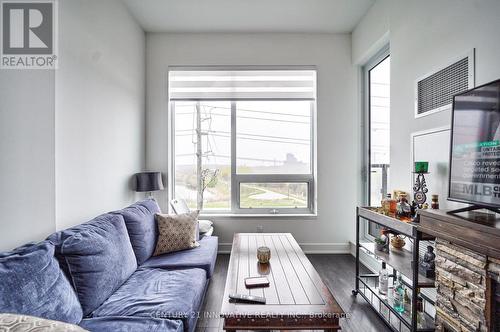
[(377, 76), (242, 141), (380, 114)]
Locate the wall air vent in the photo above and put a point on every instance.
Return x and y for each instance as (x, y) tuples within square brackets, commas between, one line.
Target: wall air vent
[(434, 92)]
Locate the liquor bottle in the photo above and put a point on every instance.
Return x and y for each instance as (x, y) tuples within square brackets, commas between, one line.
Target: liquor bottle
[(403, 209), (420, 308), (383, 280), (393, 206), (398, 295), (407, 301)]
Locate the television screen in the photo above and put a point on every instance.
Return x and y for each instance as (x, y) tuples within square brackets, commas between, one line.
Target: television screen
[(475, 146)]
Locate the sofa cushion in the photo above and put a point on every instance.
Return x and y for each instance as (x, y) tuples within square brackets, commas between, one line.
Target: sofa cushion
[(32, 283), (141, 226), (24, 323), (98, 257), (59, 237), (159, 293), (176, 232), (203, 256), (131, 324)]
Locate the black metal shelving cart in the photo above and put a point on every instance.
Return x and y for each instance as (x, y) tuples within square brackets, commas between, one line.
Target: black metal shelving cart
[(404, 261)]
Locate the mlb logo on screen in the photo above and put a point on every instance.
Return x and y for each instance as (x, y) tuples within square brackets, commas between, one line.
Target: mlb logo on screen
[(29, 39)]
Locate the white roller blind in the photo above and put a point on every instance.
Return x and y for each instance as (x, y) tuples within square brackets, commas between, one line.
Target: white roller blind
[(242, 84)]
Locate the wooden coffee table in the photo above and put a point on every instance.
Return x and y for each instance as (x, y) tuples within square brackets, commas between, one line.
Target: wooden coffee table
[(297, 298)]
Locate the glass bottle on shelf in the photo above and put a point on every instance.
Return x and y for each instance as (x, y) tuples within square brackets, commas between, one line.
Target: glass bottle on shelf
[(398, 295), (383, 280), (385, 204), (393, 206), (403, 209), (420, 308), (407, 301), (435, 202)]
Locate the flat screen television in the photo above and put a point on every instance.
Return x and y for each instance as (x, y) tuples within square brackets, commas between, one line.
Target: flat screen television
[(475, 148)]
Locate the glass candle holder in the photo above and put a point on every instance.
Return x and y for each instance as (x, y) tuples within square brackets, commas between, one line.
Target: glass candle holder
[(421, 166), (263, 255)]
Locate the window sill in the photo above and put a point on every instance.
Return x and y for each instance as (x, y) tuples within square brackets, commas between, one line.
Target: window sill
[(258, 215)]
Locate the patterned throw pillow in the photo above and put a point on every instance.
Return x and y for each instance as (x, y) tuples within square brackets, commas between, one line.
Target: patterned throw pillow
[(176, 232), (17, 323)]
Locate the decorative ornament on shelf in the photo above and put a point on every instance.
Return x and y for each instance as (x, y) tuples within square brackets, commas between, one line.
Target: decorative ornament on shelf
[(435, 202), (414, 207), (403, 212), (398, 241), (420, 187), (427, 264), (382, 243), (396, 194)]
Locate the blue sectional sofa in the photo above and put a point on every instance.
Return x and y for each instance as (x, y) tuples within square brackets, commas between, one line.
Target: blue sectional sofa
[(102, 276)]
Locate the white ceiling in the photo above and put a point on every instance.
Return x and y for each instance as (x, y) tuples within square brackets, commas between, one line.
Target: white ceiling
[(337, 16)]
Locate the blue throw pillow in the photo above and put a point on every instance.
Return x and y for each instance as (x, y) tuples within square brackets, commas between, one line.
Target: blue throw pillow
[(31, 283), (141, 225), (98, 258)]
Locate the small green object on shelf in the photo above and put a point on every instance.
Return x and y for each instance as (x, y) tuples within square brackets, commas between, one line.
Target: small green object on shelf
[(421, 166)]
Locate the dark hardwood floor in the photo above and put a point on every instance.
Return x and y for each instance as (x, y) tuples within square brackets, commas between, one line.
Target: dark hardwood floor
[(337, 272)]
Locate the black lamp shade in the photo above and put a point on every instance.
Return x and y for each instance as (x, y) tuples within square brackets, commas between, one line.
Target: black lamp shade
[(148, 181)]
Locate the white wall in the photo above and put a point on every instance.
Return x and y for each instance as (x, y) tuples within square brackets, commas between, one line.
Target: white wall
[(338, 121), (371, 34), (27, 183), (71, 138), (100, 109), (424, 35)]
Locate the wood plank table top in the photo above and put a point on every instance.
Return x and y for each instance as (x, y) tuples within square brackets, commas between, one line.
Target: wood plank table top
[(296, 298)]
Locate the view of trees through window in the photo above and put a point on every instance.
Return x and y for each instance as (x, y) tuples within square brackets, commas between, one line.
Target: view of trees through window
[(203, 130), (271, 137), (273, 195)]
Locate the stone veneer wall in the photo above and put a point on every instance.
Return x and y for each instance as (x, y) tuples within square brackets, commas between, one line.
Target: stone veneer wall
[(461, 276)]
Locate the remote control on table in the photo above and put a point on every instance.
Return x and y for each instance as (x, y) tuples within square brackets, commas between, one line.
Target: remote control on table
[(247, 298)]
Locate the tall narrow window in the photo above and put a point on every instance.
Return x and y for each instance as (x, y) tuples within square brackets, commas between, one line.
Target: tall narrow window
[(380, 114), (377, 75), (243, 140)]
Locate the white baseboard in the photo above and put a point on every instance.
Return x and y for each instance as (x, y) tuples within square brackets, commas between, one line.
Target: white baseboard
[(325, 248), (308, 248), (224, 248)]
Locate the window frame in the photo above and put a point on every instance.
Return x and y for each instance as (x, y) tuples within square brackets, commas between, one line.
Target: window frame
[(237, 179), (378, 58)]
